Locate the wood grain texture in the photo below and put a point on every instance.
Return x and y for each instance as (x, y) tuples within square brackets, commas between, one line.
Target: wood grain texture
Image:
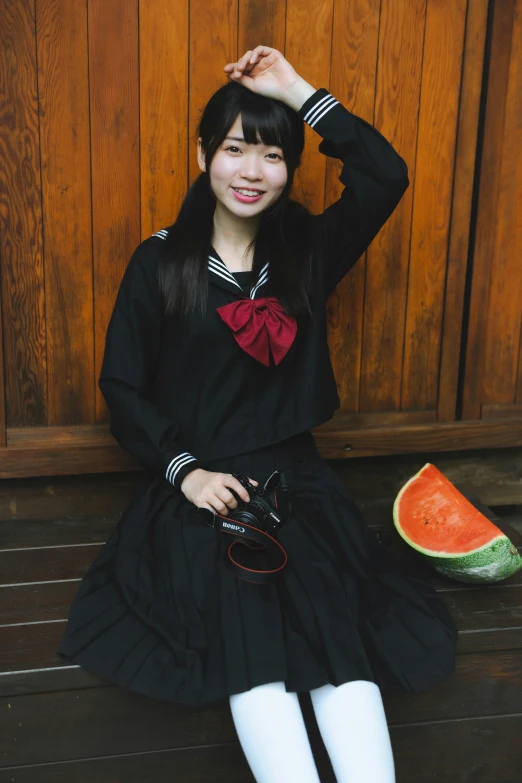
[(114, 119), (206, 72), (164, 99), (24, 362), (61, 29), (85, 719), (489, 216), (308, 48), (3, 430), (58, 722), (336, 437), (465, 175), (502, 373), (261, 23), (434, 167), (473, 751), (396, 109), (111, 133), (355, 44), (42, 451)]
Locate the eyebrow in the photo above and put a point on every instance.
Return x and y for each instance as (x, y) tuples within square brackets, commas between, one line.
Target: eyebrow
[(240, 138)]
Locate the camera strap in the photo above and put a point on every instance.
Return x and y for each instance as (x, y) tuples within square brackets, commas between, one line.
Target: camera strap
[(255, 539)]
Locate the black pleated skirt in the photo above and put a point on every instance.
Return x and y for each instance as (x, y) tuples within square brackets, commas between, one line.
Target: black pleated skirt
[(159, 613)]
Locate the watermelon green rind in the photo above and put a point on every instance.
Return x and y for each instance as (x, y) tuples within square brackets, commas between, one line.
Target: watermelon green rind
[(496, 560), (491, 563)]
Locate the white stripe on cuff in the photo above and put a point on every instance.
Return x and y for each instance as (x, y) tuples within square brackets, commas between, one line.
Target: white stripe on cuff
[(178, 463), (324, 105)]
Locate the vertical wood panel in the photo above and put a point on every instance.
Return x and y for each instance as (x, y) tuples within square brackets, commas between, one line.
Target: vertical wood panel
[(488, 199), (113, 80), (261, 23), (434, 167), (399, 69), (308, 48), (3, 430), (22, 279), (64, 124), (504, 315), (461, 203), (164, 96), (518, 399), (108, 94), (353, 75), (206, 72)]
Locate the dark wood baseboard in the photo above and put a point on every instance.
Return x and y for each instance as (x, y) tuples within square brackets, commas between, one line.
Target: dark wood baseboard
[(53, 451)]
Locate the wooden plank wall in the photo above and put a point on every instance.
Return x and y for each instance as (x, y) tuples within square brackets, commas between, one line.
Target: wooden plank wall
[(99, 105), (493, 367)]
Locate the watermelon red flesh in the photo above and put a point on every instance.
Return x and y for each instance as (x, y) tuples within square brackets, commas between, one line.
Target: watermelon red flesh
[(451, 534), (438, 519)]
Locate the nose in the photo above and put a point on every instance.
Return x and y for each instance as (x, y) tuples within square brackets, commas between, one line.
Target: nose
[(250, 166)]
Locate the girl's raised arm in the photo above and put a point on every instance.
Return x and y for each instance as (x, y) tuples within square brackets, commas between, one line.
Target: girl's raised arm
[(129, 367), (374, 176)]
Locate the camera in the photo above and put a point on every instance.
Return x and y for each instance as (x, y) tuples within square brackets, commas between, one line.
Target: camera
[(259, 511), (254, 524)]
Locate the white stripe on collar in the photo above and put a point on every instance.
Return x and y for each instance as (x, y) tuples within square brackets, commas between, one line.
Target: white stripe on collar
[(219, 268)]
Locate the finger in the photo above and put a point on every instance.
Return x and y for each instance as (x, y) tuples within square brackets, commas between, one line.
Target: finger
[(253, 481), (219, 506), (231, 68), (227, 497), (243, 62), (262, 51), (239, 489), (256, 53)]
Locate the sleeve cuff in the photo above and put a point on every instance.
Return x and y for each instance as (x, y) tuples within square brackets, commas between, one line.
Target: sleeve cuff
[(343, 132), (179, 467), (316, 111)]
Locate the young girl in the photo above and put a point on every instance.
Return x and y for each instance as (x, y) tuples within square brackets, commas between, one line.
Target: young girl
[(216, 362)]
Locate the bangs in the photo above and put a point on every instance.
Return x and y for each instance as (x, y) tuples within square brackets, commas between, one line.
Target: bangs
[(268, 123)]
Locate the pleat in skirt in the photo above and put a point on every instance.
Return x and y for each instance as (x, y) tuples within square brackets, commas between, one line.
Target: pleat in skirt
[(159, 612)]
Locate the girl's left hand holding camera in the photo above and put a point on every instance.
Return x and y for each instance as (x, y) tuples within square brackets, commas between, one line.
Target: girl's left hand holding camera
[(266, 72)]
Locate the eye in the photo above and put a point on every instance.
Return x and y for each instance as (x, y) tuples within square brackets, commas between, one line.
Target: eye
[(238, 150)]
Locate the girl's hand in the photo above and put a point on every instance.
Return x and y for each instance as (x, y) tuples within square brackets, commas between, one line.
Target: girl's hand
[(207, 489), (264, 71)]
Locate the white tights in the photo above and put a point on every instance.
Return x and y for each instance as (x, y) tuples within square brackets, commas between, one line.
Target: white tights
[(351, 720)]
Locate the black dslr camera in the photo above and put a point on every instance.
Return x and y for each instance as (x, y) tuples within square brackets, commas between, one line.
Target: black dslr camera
[(260, 511), (255, 525)]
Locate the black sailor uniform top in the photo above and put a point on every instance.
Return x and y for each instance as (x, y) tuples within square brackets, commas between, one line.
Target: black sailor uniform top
[(182, 391)]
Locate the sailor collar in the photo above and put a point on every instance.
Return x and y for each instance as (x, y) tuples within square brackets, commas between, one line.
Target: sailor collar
[(259, 325), (223, 277)]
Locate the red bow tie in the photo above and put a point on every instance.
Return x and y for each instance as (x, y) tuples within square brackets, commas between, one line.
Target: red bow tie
[(260, 326)]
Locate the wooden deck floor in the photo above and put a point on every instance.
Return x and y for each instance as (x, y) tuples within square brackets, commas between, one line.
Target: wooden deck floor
[(59, 723)]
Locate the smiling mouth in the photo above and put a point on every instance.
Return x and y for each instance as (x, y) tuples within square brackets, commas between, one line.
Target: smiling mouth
[(246, 192)]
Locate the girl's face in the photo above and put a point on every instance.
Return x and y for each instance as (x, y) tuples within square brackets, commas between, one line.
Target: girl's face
[(248, 167)]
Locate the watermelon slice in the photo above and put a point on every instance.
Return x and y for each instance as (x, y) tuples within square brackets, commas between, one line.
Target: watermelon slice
[(451, 534)]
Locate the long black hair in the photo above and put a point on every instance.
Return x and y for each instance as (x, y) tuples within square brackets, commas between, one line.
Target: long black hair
[(282, 237)]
